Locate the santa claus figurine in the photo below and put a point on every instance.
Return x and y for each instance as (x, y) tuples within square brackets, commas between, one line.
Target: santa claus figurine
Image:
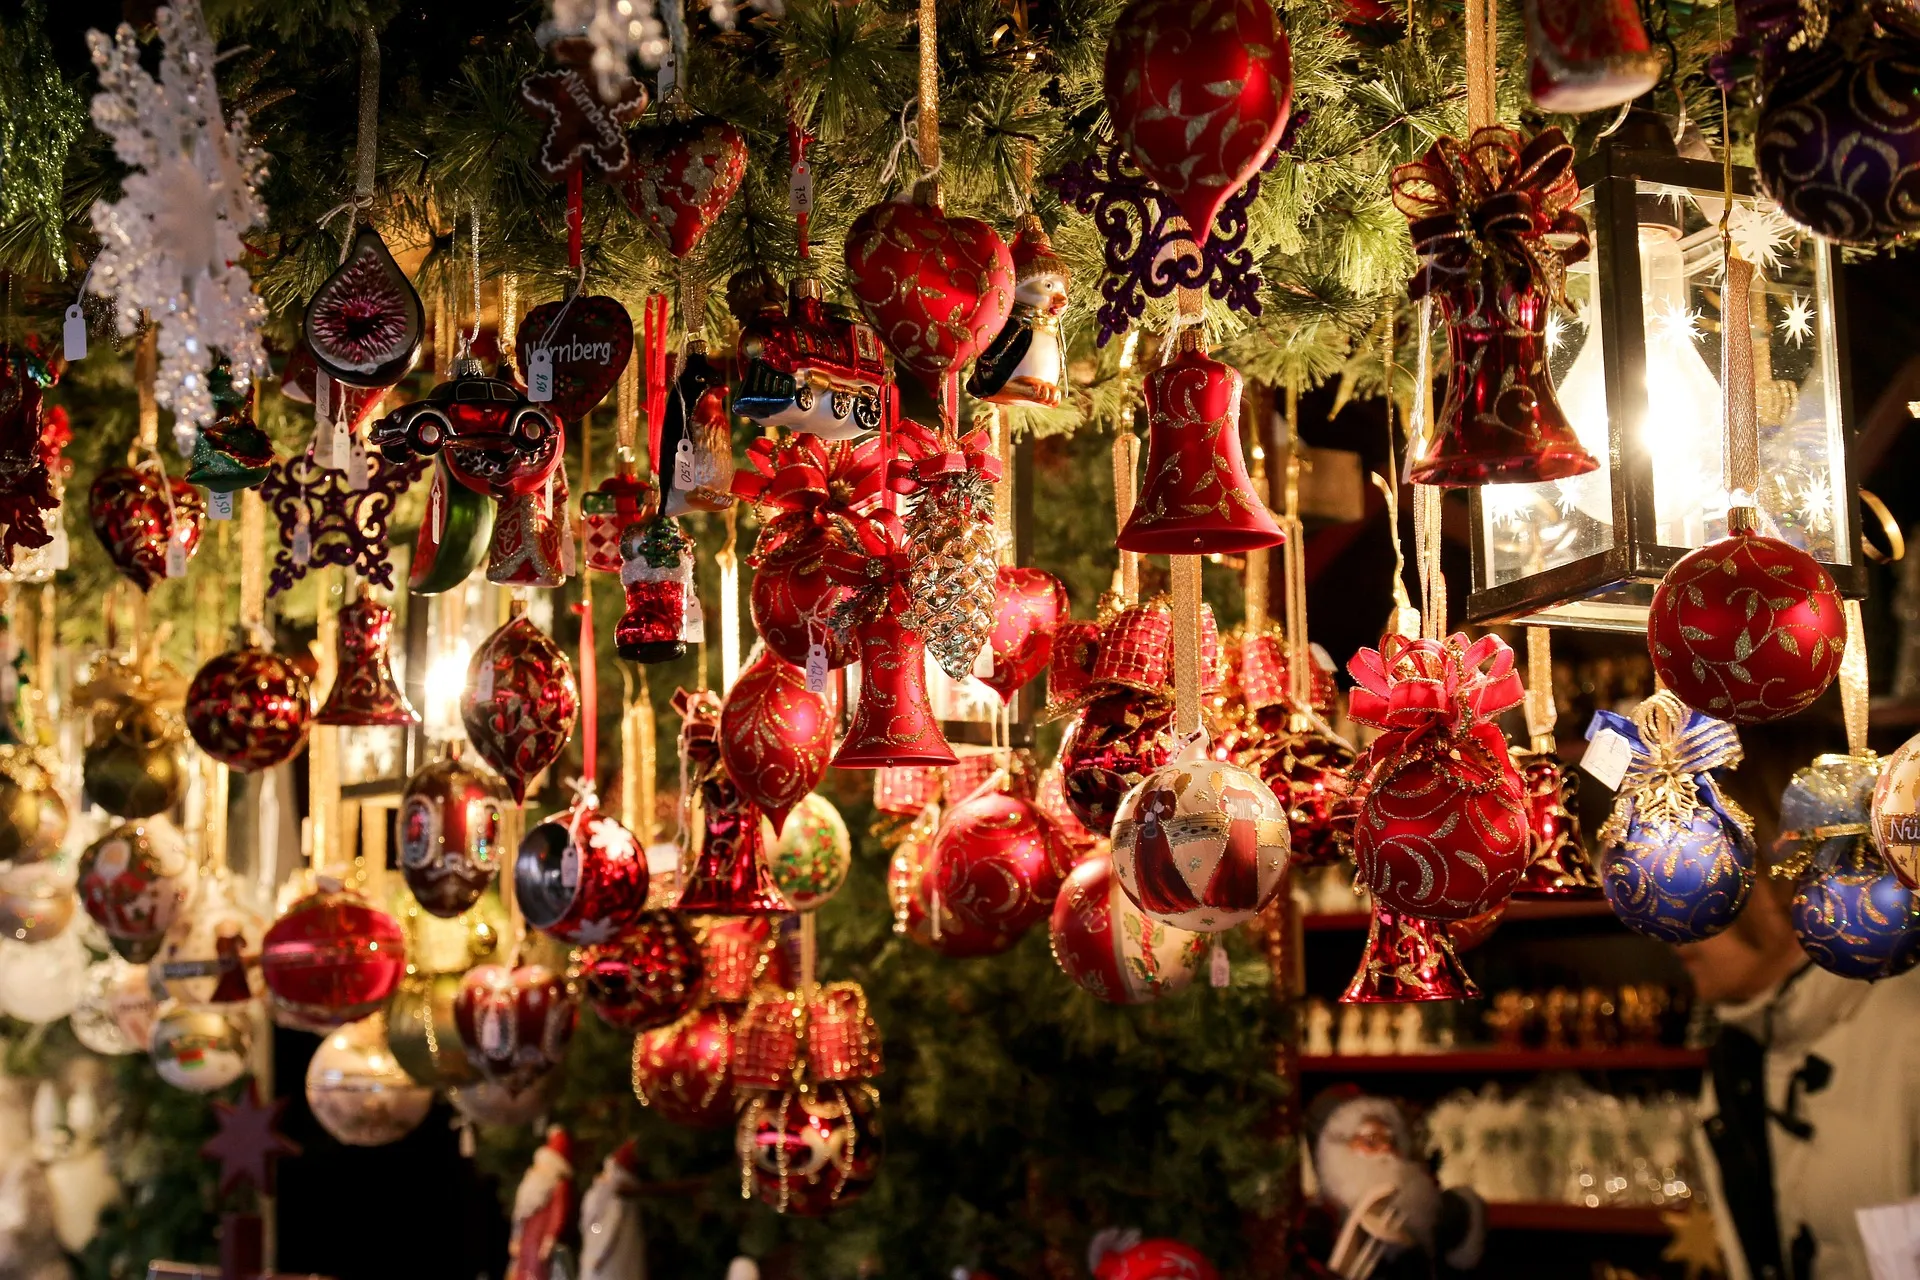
[(612, 1246), (1380, 1214), (543, 1214)]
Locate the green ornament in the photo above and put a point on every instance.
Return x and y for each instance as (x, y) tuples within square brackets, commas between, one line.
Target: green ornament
[(453, 536), (233, 453)]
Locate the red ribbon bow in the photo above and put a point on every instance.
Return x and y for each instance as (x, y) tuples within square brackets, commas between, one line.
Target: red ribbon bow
[(874, 562), (925, 458), (806, 488), (1432, 694)]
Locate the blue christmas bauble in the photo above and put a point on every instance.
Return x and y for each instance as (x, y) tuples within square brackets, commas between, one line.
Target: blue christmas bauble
[(1858, 922), (1679, 883)]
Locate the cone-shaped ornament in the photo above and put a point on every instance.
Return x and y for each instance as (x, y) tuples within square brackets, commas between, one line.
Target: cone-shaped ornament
[(894, 722), (365, 692), (1408, 959)]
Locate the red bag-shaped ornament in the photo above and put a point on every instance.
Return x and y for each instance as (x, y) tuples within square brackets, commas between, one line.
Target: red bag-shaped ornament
[(515, 1023)]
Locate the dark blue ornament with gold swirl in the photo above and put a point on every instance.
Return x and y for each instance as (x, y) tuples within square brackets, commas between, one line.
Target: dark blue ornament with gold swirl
[(1678, 855), (1851, 913)]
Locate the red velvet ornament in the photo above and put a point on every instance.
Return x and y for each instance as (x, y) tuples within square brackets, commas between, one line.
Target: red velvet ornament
[(775, 737), (684, 1071), (1030, 603), (450, 834), (134, 516), (365, 322), (893, 723), (1408, 959), (364, 691), (1588, 55), (249, 709), (683, 174), (588, 341), (520, 703), (1103, 942), (1109, 750), (1197, 499), (1747, 629), (998, 862), (729, 875), (495, 441), (1199, 94), (1442, 829), (794, 605), (514, 1023), (649, 978), (331, 959), (912, 888), (811, 1151), (936, 288), (581, 877)]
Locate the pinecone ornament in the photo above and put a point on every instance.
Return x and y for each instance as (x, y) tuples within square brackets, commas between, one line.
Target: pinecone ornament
[(955, 558)]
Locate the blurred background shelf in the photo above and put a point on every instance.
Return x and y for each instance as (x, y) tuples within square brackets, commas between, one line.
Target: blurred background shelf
[(1467, 1061), (1577, 1219)]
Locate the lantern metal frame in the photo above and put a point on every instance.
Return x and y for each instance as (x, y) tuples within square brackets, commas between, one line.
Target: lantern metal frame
[(1611, 590)]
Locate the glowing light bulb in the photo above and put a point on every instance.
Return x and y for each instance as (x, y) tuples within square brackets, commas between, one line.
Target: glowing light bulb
[(446, 681)]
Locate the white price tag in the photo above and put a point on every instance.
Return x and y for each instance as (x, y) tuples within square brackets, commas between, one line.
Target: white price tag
[(483, 682), (569, 550), (1219, 967), (685, 472), (570, 867), (177, 555), (693, 623), (219, 504), (1607, 757), (800, 189), (301, 548), (59, 548), (342, 447), (983, 662), (74, 335), (493, 1032), (669, 77), (356, 465), (540, 375), (816, 668)]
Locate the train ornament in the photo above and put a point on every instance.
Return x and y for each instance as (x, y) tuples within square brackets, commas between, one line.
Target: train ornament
[(810, 370)]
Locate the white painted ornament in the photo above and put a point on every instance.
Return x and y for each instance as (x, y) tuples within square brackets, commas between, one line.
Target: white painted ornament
[(359, 1092), (201, 1048), (42, 982), (1894, 817)]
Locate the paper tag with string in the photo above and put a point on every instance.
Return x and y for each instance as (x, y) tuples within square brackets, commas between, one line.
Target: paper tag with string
[(73, 335), (1219, 967), (1606, 758), (356, 465), (800, 189), (686, 468), (570, 867), (816, 667), (483, 682), (177, 552), (219, 504), (983, 662), (668, 77), (322, 419), (341, 449), (540, 375)]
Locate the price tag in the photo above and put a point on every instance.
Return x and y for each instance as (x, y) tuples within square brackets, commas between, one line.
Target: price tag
[(569, 549), (483, 682), (983, 662), (570, 867), (301, 547), (669, 76), (436, 518), (177, 554), (74, 335), (59, 549), (816, 668), (800, 189), (1607, 757), (493, 1032), (540, 375), (342, 446), (685, 470), (356, 465), (322, 417), (1219, 968), (219, 504), (693, 623)]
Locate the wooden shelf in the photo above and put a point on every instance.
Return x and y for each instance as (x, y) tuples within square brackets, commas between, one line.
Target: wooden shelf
[(1546, 1216), (1517, 912), (1474, 1061)]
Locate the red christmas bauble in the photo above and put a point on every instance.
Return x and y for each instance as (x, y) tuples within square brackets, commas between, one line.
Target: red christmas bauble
[(775, 737), (1311, 773), (515, 1023), (685, 1071), (1747, 629), (1436, 843), (581, 877), (793, 604), (520, 703), (249, 709), (998, 862), (1106, 945), (1109, 750), (647, 979), (912, 888), (1199, 95), (134, 517), (450, 834), (1155, 1260), (1051, 796), (1029, 604), (813, 1150), (683, 174), (331, 959), (936, 288)]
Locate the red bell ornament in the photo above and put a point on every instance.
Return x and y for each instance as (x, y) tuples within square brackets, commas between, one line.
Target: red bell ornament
[(893, 723), (1500, 422), (136, 512), (515, 1023), (729, 875), (1197, 499), (450, 818), (365, 692), (1029, 604), (1442, 831), (520, 703), (1199, 94), (331, 959), (649, 978), (810, 1149), (1557, 863), (1408, 959), (998, 861), (1588, 55), (1103, 942), (249, 709), (684, 1071), (936, 288), (581, 877), (775, 736), (1747, 629)]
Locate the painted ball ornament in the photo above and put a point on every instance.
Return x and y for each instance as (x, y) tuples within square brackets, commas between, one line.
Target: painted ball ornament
[(520, 704), (450, 821), (33, 817), (200, 1048), (514, 1022), (998, 861), (1109, 947), (647, 979), (204, 958), (775, 735), (250, 709), (1851, 912), (810, 1150), (116, 1009), (810, 859), (1747, 629), (37, 901), (42, 982), (1679, 881), (1109, 750), (135, 766), (134, 881), (920, 913), (1201, 844), (330, 959), (1894, 817), (684, 1071), (795, 605), (358, 1091)]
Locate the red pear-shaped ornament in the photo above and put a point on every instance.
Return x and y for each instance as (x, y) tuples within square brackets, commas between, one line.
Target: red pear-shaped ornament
[(520, 703)]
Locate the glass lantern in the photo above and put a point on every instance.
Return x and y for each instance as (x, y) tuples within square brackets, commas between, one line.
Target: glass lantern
[(1637, 371)]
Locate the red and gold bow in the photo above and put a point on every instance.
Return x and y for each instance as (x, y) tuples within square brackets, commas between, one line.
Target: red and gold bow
[(805, 489), (1498, 200), (874, 561), (1434, 695), (927, 458)]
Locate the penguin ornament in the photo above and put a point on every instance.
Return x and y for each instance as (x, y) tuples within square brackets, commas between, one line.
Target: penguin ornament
[(1024, 364)]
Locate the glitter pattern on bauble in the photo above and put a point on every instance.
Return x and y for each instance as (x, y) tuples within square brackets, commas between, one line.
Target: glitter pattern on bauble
[(1850, 911)]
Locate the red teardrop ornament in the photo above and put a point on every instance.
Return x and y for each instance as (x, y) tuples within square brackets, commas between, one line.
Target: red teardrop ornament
[(683, 174), (1029, 604), (775, 737), (520, 703), (133, 516)]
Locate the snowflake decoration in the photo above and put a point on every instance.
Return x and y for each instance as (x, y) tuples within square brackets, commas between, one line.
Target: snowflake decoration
[(591, 933), (1816, 504), (1674, 197), (1677, 324), (1556, 333), (607, 836), (170, 246), (1796, 325), (620, 31), (1762, 234)]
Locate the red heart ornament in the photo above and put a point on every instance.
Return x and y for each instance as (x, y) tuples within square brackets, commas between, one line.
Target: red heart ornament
[(683, 174), (1030, 603), (588, 341), (135, 510), (937, 288), (1199, 92)]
